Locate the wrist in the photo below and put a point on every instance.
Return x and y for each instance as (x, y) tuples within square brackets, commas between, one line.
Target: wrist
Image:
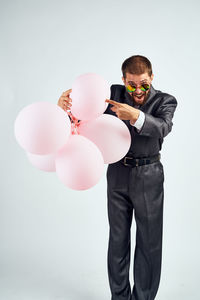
[(135, 116)]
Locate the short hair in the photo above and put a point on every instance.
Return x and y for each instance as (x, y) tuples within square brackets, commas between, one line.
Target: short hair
[(137, 64)]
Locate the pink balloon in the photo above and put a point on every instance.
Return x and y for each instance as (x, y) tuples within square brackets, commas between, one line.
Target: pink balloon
[(89, 92), (42, 128), (43, 162), (79, 163), (110, 134)]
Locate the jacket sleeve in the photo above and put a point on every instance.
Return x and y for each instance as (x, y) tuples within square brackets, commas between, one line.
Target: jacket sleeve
[(108, 109), (160, 123)]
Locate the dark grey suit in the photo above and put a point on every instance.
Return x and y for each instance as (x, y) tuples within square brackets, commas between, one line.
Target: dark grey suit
[(139, 190)]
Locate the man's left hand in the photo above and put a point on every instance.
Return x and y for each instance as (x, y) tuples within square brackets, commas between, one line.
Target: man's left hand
[(124, 111)]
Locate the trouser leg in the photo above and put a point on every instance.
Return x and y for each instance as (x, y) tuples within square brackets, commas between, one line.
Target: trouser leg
[(148, 208), (140, 188), (120, 212)]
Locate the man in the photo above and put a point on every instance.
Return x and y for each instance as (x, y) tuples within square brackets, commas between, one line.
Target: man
[(135, 183)]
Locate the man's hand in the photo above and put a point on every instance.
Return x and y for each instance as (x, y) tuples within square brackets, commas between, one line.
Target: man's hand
[(124, 111), (65, 101)]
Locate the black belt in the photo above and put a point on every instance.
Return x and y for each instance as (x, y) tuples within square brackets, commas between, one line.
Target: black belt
[(135, 162)]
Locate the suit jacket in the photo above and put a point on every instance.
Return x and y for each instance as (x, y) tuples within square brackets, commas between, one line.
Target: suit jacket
[(159, 109)]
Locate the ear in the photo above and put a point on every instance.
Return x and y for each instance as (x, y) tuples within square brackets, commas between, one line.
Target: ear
[(152, 76), (123, 79)]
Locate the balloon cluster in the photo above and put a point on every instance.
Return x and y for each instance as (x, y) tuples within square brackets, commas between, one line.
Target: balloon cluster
[(74, 144)]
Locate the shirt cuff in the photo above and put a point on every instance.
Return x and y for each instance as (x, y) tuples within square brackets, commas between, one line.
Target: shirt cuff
[(140, 121)]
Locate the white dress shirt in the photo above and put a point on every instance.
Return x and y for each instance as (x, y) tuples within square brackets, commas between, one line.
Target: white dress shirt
[(139, 122)]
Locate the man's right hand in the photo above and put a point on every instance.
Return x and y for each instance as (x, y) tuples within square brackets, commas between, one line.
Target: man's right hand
[(65, 101)]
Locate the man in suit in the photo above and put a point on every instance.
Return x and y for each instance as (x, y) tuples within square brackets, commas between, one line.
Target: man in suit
[(135, 183)]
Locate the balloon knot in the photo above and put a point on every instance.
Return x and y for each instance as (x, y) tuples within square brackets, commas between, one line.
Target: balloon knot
[(74, 123)]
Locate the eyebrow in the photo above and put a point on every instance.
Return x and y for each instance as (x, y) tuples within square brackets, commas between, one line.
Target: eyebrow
[(144, 80)]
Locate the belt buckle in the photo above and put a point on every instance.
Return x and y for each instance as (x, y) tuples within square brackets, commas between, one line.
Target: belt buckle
[(125, 158)]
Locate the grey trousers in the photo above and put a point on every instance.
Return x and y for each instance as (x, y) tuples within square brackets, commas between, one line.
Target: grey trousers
[(139, 190)]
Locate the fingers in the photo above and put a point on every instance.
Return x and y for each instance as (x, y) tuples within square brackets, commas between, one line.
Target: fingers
[(65, 106), (66, 99), (116, 105), (113, 102), (66, 93), (66, 96), (117, 111), (65, 102), (114, 109)]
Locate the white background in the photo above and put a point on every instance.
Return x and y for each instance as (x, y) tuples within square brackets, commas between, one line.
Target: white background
[(53, 241)]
